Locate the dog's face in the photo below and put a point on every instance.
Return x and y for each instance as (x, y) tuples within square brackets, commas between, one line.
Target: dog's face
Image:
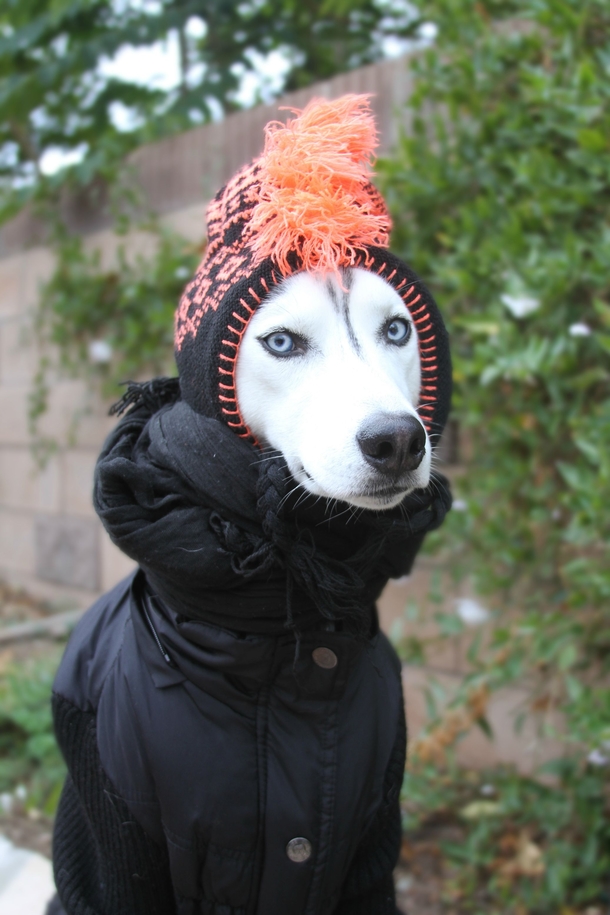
[(328, 373)]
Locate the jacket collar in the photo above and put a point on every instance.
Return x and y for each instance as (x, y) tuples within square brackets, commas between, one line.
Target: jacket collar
[(220, 661)]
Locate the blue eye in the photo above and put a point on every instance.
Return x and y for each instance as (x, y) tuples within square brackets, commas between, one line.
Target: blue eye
[(280, 343), (397, 331)]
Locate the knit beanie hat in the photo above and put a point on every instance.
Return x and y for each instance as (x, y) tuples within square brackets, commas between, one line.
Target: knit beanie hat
[(306, 204)]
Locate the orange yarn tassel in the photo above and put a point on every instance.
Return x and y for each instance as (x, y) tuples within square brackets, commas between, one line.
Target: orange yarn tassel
[(315, 195)]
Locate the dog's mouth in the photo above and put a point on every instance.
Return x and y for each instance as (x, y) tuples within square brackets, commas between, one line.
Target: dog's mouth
[(372, 496), (385, 492), (382, 496)]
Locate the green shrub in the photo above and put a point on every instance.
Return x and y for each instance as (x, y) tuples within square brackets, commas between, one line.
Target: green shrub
[(128, 308), (29, 755), (514, 845), (501, 200)]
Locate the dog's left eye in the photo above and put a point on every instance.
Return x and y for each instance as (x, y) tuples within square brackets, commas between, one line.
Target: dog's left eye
[(397, 331), (280, 343)]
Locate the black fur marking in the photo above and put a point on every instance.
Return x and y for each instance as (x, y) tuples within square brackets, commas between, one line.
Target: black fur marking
[(332, 292), (348, 280)]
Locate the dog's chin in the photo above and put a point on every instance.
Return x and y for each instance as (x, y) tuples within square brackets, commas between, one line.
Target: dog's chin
[(375, 497), (382, 501)]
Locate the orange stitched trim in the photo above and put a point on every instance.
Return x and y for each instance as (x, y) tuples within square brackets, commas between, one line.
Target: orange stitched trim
[(368, 260), (429, 387), (413, 302), (252, 438), (264, 284), (246, 306), (429, 339), (419, 310), (401, 284), (239, 426), (381, 269), (253, 294), (423, 330), (393, 273)]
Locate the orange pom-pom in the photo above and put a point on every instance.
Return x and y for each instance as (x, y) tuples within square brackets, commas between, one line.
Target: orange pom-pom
[(316, 198)]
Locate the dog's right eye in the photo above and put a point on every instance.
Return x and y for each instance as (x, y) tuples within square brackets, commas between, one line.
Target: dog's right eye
[(280, 343)]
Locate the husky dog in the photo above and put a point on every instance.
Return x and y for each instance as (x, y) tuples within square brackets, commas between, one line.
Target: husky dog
[(231, 716)]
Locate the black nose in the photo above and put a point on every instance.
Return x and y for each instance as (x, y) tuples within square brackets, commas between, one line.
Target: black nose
[(393, 443)]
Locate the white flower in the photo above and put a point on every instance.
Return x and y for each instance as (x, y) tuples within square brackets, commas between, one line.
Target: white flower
[(427, 31), (182, 273), (21, 792), (6, 802), (100, 351), (396, 632), (404, 884), (597, 758), (520, 305), (470, 611), (459, 505), (580, 329), (487, 790)]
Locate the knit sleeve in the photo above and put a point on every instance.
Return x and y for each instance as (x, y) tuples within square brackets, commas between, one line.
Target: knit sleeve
[(104, 862), (369, 886)]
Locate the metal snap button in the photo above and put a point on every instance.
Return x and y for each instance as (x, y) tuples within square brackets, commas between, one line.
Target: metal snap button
[(299, 849), (325, 658)]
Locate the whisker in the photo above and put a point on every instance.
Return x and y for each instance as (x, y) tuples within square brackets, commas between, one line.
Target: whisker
[(287, 496)]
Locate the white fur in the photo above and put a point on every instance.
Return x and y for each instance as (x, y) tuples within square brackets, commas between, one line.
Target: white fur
[(311, 406)]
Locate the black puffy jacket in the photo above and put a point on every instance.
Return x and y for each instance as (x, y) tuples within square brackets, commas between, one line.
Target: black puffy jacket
[(213, 774)]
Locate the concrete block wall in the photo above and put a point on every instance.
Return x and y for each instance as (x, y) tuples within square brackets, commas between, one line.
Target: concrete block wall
[(50, 541)]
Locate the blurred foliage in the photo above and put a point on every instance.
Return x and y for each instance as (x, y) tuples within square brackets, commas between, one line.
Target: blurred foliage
[(501, 200), (61, 92), (29, 755), (108, 324), (138, 340), (510, 844)]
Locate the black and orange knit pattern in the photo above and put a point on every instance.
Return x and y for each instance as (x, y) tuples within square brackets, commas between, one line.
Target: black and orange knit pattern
[(227, 259), (321, 213)]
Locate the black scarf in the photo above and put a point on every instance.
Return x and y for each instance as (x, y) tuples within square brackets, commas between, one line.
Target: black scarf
[(221, 535)]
